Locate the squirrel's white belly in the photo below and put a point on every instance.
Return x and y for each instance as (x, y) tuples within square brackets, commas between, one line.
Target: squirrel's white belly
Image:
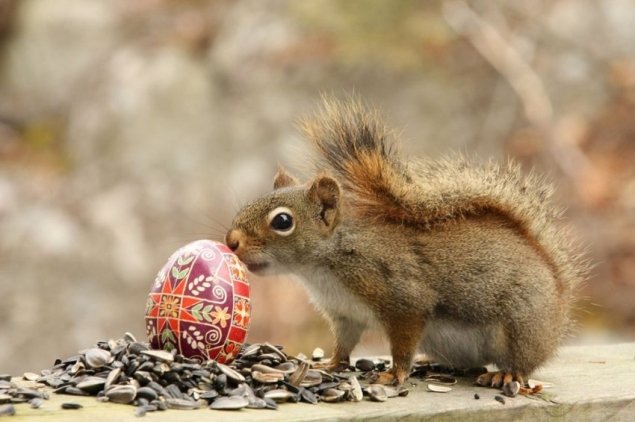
[(461, 345), (328, 295), (445, 341)]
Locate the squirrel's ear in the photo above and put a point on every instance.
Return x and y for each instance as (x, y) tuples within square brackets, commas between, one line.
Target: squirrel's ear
[(283, 179), (326, 191)]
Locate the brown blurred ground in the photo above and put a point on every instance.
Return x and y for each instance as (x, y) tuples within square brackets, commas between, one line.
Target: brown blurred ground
[(130, 128)]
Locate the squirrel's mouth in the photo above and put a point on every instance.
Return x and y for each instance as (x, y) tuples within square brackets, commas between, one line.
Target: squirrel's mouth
[(255, 267)]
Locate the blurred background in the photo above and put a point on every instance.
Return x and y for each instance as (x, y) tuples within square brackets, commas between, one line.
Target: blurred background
[(128, 128)]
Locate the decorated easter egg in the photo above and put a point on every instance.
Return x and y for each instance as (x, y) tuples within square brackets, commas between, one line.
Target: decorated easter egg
[(199, 303)]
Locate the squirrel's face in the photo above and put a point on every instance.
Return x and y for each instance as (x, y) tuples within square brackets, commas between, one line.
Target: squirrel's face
[(282, 228)]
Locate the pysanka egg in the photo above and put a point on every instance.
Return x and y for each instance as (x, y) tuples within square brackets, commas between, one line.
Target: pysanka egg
[(199, 303)]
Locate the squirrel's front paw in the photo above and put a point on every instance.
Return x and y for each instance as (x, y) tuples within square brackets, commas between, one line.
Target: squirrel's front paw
[(385, 378), (389, 378)]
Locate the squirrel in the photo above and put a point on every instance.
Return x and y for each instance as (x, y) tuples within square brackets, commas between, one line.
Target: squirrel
[(456, 258)]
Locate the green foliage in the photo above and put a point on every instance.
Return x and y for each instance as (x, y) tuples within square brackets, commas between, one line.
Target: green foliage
[(201, 313), (167, 336), (179, 274)]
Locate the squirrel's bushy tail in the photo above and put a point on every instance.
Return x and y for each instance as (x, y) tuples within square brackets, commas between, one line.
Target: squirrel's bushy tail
[(355, 145)]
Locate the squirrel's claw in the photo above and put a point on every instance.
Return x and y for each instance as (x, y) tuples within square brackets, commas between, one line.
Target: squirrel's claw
[(498, 379), (388, 378), (385, 378)]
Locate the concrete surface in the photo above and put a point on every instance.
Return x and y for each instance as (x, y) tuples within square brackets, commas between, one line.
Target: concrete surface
[(591, 383)]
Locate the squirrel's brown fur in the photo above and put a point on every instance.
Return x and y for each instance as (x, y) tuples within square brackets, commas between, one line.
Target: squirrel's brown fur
[(458, 258), (354, 143)]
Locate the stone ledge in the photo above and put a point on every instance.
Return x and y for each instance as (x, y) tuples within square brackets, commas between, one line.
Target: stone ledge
[(591, 383)]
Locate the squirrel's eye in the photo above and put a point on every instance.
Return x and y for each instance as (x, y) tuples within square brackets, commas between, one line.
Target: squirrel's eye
[(281, 221)]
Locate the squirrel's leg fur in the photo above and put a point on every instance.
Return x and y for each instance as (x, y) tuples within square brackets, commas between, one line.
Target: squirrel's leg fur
[(404, 336), (347, 334)]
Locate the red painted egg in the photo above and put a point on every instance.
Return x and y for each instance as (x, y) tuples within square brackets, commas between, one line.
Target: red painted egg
[(199, 303)]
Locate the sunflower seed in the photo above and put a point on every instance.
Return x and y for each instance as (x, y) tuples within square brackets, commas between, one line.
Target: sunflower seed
[(265, 369), (112, 378), (439, 388), (28, 393), (356, 393), (270, 378), (256, 403), (236, 376), (74, 391), (150, 408), (279, 395), (251, 351), (36, 403), (173, 391), (402, 391), (123, 394), (270, 348), (30, 376), (300, 374), (147, 393), (365, 365), (129, 338), (390, 392), (181, 404), (311, 378), (287, 367), (96, 358), (317, 355), (92, 385), (158, 388), (5, 385), (271, 404), (160, 368), (327, 385), (7, 410), (332, 395), (308, 396), (229, 403), (377, 393), (160, 355), (209, 395), (159, 404), (77, 368), (72, 406), (511, 389), (441, 379)]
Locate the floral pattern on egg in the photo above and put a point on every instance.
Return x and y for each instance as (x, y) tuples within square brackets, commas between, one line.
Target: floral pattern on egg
[(199, 303)]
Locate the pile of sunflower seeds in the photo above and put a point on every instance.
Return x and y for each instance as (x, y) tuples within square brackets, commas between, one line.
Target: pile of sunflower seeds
[(262, 376), (10, 394)]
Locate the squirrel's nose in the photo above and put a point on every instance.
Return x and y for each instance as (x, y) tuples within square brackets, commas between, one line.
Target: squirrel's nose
[(232, 240)]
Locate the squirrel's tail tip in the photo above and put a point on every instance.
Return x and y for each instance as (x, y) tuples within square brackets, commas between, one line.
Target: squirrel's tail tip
[(346, 129)]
